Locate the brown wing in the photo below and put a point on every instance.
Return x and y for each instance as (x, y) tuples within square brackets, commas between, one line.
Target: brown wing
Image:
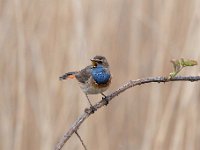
[(83, 75)]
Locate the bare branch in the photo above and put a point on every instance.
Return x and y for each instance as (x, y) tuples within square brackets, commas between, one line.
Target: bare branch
[(79, 137), (104, 101)]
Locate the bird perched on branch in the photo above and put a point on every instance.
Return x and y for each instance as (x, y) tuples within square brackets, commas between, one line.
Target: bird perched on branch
[(93, 79)]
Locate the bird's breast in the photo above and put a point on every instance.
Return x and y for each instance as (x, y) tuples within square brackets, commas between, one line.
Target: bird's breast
[(98, 82), (101, 75)]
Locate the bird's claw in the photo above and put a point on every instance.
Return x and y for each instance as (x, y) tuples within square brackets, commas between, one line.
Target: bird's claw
[(106, 100), (92, 109)]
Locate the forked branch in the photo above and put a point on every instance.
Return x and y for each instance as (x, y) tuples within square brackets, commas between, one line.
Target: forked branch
[(104, 101)]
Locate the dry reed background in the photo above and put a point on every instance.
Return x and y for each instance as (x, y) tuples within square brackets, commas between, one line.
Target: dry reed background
[(41, 39)]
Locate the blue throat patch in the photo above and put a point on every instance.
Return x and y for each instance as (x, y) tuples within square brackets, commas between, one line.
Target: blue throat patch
[(100, 75)]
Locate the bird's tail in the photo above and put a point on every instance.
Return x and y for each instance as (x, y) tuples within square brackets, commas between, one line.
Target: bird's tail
[(70, 75)]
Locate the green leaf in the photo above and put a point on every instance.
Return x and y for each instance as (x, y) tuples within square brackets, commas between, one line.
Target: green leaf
[(179, 64)]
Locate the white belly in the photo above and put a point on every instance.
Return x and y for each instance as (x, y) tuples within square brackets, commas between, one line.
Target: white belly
[(91, 89)]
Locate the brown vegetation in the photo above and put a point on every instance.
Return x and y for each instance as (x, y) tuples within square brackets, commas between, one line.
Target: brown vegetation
[(42, 39)]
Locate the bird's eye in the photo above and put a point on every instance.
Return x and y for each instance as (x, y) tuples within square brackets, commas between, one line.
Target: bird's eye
[(100, 62)]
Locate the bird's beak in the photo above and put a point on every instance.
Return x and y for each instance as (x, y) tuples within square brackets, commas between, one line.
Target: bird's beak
[(92, 59), (94, 63)]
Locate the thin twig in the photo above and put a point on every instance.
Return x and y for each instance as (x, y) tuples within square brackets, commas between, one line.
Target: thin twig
[(104, 101), (81, 140)]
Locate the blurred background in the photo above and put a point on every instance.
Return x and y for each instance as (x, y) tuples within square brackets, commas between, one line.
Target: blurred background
[(42, 39)]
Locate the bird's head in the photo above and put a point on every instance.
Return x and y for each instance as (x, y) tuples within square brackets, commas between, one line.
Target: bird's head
[(99, 60)]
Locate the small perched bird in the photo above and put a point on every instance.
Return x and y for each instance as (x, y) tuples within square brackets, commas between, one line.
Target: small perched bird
[(93, 79)]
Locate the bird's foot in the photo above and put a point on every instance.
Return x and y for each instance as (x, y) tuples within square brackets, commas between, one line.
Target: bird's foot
[(105, 99), (91, 110)]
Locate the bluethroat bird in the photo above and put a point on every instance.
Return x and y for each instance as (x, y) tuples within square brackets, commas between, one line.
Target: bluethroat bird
[(93, 79)]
